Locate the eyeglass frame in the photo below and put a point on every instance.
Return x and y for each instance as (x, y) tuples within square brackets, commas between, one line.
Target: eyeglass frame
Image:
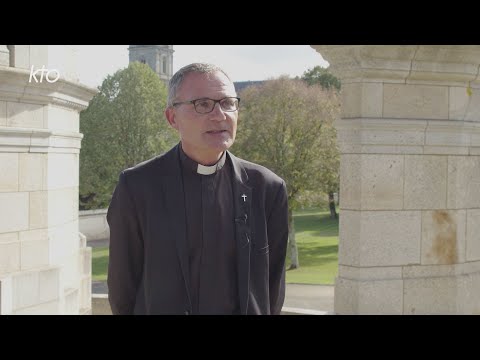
[(214, 103)]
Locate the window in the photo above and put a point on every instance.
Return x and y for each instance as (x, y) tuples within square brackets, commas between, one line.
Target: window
[(11, 60)]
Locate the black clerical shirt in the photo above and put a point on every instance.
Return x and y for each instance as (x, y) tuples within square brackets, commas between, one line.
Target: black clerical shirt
[(210, 230)]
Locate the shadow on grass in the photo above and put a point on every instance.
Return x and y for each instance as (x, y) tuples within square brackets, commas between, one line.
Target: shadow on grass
[(315, 255), (319, 225)]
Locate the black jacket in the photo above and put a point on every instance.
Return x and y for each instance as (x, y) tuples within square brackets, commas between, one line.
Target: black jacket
[(148, 261)]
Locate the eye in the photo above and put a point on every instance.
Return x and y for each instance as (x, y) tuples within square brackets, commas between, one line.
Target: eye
[(229, 103), (203, 104)]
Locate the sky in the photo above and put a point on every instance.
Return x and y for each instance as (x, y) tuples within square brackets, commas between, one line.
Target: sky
[(241, 62)]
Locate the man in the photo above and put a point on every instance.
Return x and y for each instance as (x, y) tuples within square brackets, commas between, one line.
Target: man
[(198, 230)]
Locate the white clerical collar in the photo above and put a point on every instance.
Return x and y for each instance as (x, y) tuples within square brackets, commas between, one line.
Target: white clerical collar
[(209, 170), (199, 168)]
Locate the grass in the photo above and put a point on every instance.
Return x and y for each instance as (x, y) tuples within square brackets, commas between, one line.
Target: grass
[(99, 263), (317, 241)]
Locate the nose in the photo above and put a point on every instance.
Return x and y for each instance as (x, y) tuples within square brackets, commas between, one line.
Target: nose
[(217, 113)]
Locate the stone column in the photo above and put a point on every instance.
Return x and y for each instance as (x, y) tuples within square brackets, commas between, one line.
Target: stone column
[(409, 180), (45, 266)]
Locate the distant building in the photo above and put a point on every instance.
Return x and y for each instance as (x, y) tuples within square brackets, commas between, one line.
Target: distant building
[(158, 57)]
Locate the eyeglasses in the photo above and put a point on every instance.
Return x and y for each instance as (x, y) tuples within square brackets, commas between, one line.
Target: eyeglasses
[(205, 105)]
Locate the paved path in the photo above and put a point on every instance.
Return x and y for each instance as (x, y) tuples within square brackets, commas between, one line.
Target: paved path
[(313, 297), (98, 243)]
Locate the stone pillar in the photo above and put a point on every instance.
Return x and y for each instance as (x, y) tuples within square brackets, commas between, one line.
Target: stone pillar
[(45, 266), (409, 179)]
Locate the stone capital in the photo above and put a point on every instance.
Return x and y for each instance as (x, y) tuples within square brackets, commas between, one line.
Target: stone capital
[(404, 63)]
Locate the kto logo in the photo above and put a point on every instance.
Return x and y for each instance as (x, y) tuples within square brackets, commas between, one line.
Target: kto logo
[(41, 72)]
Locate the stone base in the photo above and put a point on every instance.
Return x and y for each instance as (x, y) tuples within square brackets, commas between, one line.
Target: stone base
[(458, 294), (49, 290)]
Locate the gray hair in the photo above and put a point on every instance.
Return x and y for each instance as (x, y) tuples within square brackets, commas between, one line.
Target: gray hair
[(179, 76)]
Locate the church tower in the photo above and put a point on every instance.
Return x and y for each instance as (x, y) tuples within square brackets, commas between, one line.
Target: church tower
[(158, 57)]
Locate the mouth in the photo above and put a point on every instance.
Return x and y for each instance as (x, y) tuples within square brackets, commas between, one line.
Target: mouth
[(216, 131)]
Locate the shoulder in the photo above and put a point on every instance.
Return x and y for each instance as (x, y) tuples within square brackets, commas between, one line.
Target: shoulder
[(151, 168), (258, 173), (267, 185)]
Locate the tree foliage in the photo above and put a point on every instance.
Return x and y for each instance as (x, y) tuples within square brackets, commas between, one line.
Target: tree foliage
[(321, 76), (123, 125), (287, 126), (331, 164)]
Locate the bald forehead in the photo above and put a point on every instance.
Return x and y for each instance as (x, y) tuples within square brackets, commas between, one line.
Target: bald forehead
[(206, 85)]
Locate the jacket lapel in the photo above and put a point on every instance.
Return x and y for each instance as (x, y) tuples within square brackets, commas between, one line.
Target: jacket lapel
[(242, 198), (174, 197)]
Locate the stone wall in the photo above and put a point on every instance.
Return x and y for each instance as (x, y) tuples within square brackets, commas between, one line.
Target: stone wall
[(45, 266), (93, 224), (409, 179)]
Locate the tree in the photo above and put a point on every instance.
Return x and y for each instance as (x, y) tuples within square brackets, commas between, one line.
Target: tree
[(287, 126), (123, 126), (331, 181), (321, 76)]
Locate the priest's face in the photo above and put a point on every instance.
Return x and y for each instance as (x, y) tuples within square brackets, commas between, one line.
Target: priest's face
[(205, 135)]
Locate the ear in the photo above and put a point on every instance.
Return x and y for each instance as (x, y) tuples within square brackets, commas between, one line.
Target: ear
[(170, 115)]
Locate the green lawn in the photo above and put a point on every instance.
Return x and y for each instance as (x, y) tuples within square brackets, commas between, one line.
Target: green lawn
[(317, 240), (99, 263)]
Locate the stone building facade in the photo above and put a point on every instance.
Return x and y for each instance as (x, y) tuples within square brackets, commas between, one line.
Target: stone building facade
[(158, 57), (45, 266)]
